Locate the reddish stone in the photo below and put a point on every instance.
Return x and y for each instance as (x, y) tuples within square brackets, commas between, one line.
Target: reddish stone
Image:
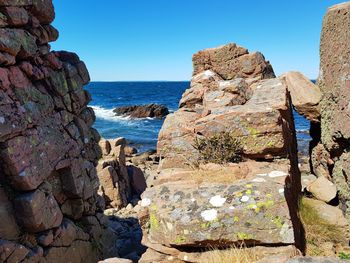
[(17, 16), (4, 79), (37, 211), (7, 59), (18, 78), (43, 11), (53, 61), (11, 252)]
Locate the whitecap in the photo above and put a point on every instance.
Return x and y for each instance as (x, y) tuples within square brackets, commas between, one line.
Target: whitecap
[(108, 114)]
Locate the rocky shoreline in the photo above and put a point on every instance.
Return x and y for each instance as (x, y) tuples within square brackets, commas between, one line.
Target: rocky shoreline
[(224, 185)]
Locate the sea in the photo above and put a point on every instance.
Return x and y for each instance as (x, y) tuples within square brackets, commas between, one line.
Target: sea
[(143, 133)]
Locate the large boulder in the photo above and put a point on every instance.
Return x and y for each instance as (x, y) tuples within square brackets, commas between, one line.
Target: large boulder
[(185, 212), (306, 96), (232, 61), (254, 107), (252, 202)]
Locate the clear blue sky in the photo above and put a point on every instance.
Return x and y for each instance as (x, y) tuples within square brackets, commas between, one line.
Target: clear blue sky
[(155, 39)]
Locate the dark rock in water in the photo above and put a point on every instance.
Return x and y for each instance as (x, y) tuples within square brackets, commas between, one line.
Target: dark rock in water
[(143, 111)]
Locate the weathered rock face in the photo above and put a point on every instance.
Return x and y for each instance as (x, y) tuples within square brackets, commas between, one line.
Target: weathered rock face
[(231, 62), (143, 111), (252, 202), (48, 150), (226, 96), (184, 212), (305, 95), (330, 157)]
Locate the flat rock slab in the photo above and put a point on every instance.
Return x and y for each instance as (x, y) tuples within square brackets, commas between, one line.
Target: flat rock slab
[(185, 212), (306, 96)]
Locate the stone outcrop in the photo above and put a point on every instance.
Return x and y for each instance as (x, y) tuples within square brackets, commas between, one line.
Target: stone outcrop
[(253, 202), (143, 111), (331, 158), (251, 104), (305, 95), (120, 183), (50, 210)]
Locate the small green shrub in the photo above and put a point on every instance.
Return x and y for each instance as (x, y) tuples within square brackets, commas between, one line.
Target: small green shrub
[(343, 255), (220, 148)]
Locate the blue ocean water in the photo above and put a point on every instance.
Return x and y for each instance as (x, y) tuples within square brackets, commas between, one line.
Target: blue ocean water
[(143, 133)]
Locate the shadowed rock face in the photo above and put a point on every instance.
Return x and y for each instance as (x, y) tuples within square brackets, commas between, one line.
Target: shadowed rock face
[(48, 149), (331, 157)]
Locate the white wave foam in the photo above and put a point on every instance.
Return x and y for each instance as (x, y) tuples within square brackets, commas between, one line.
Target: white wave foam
[(108, 114)]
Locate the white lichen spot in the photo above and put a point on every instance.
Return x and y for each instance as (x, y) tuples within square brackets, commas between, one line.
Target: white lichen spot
[(217, 201), (185, 258), (169, 226), (86, 140), (145, 202), (186, 232), (209, 215), (171, 258), (245, 199), (209, 73), (261, 175), (277, 174), (193, 200), (232, 208), (259, 180), (22, 174), (281, 191), (2, 120), (287, 233)]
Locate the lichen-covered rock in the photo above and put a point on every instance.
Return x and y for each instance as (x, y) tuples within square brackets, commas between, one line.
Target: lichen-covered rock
[(252, 202), (49, 150), (334, 82), (188, 213), (259, 115)]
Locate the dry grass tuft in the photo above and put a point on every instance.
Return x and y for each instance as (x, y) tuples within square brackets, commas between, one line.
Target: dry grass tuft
[(318, 231), (233, 255), (219, 173)]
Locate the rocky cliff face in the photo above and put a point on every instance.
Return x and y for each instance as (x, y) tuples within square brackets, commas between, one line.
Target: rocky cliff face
[(331, 157), (49, 209)]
